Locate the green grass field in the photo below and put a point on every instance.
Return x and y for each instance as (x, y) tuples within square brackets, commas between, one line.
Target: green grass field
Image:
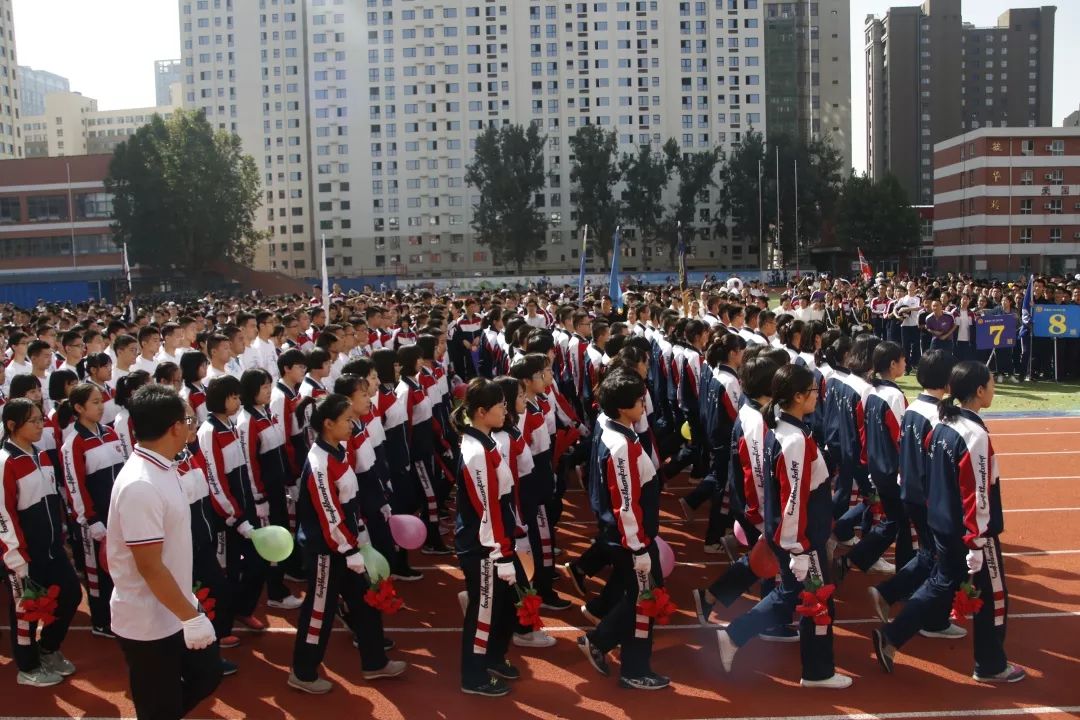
[(1021, 397)]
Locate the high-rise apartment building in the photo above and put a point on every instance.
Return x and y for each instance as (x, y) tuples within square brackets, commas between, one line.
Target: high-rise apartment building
[(930, 77), (34, 85), (362, 114), (11, 142), (166, 73), (1072, 119), (808, 71)]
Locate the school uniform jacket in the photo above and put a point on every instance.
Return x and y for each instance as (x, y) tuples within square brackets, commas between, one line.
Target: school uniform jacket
[(411, 395), (794, 469), (721, 396), (485, 500), (195, 394), (92, 461), (624, 506), (885, 407), (916, 427), (361, 450), (326, 508), (227, 472), (263, 439), (125, 432), (391, 409), (283, 402), (964, 492), (206, 522), (746, 473), (31, 515)]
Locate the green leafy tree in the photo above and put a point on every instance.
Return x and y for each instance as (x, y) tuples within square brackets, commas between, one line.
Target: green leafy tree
[(696, 171), (740, 174), (646, 174), (595, 173), (876, 217), (184, 196), (508, 170)]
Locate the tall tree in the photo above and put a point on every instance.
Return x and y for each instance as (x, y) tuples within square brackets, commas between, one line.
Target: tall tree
[(595, 173), (876, 217), (184, 195), (646, 174), (696, 177), (508, 170), (747, 215)]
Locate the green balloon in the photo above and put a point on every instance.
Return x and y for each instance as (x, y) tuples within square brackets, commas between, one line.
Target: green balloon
[(273, 543), (377, 567)]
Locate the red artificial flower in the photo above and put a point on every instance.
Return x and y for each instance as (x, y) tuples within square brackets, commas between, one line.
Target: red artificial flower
[(206, 601), (966, 602), (383, 597), (657, 604), (528, 608), (814, 602), (877, 508), (38, 604)]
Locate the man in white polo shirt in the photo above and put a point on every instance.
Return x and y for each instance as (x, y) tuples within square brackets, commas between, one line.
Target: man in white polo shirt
[(170, 647)]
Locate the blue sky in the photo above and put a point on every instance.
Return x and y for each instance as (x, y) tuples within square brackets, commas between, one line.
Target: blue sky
[(107, 48)]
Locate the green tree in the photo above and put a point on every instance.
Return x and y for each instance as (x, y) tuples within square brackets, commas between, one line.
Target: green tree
[(696, 177), (595, 173), (508, 170), (877, 218), (184, 195), (646, 174), (740, 175)]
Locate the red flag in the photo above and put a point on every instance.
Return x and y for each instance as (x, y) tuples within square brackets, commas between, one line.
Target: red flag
[(864, 267)]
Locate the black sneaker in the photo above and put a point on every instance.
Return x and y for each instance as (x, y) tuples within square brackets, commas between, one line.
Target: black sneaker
[(840, 567), (439, 549), (105, 632), (556, 603), (494, 687), (228, 668), (577, 577), (505, 670), (883, 651), (704, 607), (407, 574), (649, 681), (388, 643), (780, 634), (596, 657)]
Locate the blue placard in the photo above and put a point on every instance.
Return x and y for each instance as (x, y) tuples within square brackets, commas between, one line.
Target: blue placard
[(995, 331), (1056, 321)]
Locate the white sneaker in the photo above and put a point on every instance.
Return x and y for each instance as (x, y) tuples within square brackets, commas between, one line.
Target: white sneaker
[(536, 639), (728, 648), (463, 600), (953, 632), (40, 678), (836, 682), (883, 567), (589, 616), (289, 602)]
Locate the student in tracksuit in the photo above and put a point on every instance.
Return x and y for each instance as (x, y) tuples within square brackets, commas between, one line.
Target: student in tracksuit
[(230, 475), (687, 367), (916, 427), (92, 459), (797, 516), (193, 367), (31, 540), (262, 435), (628, 514), (885, 407), (966, 519), (284, 399), (484, 541), (331, 534)]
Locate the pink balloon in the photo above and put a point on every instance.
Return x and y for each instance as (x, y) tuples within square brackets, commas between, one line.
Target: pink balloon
[(408, 531), (740, 534), (667, 556)]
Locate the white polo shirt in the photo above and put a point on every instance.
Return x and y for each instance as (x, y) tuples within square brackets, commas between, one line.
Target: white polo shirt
[(147, 506)]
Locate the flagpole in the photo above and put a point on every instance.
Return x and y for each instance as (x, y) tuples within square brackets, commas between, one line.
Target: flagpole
[(581, 265), (760, 219), (797, 258), (325, 279), (779, 244)]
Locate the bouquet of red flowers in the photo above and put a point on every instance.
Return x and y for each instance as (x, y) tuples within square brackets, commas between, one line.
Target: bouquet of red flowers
[(966, 602), (206, 601), (383, 597), (656, 603), (38, 604), (528, 608), (814, 602)]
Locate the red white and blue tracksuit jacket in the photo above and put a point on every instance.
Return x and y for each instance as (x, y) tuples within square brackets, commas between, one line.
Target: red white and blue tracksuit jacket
[(206, 521), (227, 472), (626, 507), (916, 428), (31, 512), (92, 460), (486, 520), (797, 516), (283, 402), (721, 395), (746, 474), (885, 407), (327, 510)]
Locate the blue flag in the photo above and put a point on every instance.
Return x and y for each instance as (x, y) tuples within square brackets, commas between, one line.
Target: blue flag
[(581, 270), (614, 290), (1025, 307)]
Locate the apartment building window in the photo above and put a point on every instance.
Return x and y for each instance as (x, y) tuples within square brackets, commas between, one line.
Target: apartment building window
[(1057, 147), (1025, 207), (1056, 177), (1054, 207), (1055, 235), (1027, 177), (1027, 147), (1025, 235)]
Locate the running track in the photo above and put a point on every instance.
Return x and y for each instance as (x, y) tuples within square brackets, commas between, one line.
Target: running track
[(1040, 463)]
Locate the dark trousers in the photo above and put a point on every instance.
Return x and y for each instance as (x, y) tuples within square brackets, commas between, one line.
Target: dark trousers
[(99, 585), (935, 597), (851, 482), (25, 647), (623, 626), (912, 574), (538, 530), (330, 581), (909, 341), (167, 679), (423, 473), (739, 578), (246, 571), (206, 571), (776, 608), (874, 543), (293, 565), (490, 619)]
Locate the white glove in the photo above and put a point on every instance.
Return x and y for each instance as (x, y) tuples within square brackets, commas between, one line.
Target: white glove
[(199, 632), (975, 559), (294, 492), (97, 531), (642, 563), (262, 510), (386, 512), (506, 571), (355, 562), (800, 566), (245, 529)]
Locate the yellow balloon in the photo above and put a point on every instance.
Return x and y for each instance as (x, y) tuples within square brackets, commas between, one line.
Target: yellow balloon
[(686, 430)]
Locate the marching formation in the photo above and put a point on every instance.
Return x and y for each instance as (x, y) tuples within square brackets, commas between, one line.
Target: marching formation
[(384, 424)]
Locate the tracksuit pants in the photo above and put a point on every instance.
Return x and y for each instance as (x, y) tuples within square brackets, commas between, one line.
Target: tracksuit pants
[(246, 571), (739, 578), (207, 572), (623, 626), (330, 582), (25, 646), (935, 599), (911, 575), (99, 585), (874, 543), (539, 533), (490, 619), (167, 679), (909, 340)]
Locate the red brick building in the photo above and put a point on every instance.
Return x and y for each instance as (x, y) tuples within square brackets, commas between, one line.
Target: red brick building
[(1007, 202)]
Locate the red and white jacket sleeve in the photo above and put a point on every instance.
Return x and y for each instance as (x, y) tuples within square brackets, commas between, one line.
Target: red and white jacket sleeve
[(11, 535), (977, 471), (221, 498), (624, 481)]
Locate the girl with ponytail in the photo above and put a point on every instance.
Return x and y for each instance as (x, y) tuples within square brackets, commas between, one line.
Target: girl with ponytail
[(796, 526), (966, 519), (125, 388)]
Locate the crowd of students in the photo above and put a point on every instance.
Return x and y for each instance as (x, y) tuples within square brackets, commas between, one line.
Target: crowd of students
[(475, 414)]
